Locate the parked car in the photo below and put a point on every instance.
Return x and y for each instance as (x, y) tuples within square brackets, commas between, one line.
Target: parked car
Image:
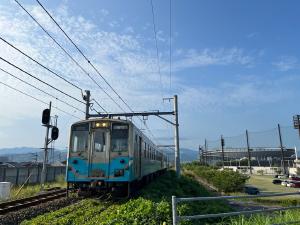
[(290, 183), (276, 181), (251, 190), (295, 185), (295, 178), (284, 183), (283, 176)]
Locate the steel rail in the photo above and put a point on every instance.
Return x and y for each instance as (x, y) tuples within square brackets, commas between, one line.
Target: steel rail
[(18, 204)]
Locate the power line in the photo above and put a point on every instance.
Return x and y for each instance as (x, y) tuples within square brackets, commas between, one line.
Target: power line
[(156, 45), (51, 71), (88, 60), (41, 90), (170, 76), (29, 74), (97, 103), (39, 100), (68, 54)]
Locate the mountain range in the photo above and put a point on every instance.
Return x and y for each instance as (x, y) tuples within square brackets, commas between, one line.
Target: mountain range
[(22, 154)]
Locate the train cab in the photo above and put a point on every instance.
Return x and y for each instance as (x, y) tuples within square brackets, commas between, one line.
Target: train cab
[(105, 153)]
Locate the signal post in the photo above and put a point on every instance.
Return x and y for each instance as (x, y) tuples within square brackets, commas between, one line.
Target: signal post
[(46, 121)]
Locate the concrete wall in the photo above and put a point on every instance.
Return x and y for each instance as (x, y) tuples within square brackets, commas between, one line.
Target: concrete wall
[(18, 176)]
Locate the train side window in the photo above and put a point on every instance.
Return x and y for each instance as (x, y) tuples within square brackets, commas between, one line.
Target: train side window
[(119, 137)]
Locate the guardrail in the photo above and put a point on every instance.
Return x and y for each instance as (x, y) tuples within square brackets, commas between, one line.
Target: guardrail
[(176, 218)]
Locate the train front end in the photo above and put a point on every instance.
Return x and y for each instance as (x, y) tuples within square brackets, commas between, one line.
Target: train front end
[(99, 154)]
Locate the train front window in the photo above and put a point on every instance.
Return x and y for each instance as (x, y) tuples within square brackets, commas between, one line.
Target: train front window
[(100, 141), (119, 138), (79, 138)]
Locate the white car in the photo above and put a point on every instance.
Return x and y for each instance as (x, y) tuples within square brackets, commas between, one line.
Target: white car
[(290, 184), (282, 176), (284, 183)]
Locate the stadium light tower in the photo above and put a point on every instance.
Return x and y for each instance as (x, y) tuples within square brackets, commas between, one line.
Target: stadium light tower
[(296, 120)]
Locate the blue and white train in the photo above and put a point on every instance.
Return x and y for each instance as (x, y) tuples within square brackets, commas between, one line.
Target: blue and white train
[(111, 153)]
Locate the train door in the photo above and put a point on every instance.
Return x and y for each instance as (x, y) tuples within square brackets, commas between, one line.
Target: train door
[(98, 160), (140, 157), (135, 156)]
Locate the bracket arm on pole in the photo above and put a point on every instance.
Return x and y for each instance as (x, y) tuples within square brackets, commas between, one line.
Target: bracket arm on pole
[(168, 121)]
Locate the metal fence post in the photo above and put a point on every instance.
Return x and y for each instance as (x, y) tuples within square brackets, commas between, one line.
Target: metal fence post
[(174, 211), (4, 174), (17, 176), (54, 173)]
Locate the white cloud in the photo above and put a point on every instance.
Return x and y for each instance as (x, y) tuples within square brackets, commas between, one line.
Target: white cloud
[(286, 63), (253, 35), (212, 57)]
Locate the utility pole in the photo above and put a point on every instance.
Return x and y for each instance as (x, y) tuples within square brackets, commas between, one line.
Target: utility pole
[(87, 98), (47, 125), (176, 138), (205, 147), (282, 150), (200, 154), (222, 147), (248, 150)]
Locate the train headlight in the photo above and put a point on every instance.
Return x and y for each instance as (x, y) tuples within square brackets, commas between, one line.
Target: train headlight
[(101, 124)]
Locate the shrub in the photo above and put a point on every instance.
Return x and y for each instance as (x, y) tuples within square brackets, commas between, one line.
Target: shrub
[(224, 180), (260, 172)]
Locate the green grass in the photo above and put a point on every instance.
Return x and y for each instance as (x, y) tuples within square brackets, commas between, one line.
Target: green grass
[(263, 219), (152, 206), (30, 190), (264, 183)]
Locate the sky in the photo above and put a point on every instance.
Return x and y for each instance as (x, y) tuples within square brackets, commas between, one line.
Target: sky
[(234, 65)]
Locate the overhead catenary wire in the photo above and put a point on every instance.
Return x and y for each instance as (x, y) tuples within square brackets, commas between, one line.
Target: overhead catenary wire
[(156, 45), (97, 103), (31, 85), (68, 54), (40, 64), (88, 61), (39, 100), (170, 52), (40, 80), (84, 56)]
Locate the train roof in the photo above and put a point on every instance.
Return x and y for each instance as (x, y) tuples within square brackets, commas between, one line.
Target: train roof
[(106, 119)]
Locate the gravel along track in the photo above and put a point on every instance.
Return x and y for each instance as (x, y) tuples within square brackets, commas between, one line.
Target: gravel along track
[(14, 218), (23, 203)]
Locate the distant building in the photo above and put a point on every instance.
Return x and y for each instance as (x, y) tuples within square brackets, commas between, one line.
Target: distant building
[(4, 159)]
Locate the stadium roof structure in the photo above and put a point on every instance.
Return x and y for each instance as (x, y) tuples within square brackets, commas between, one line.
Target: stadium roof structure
[(260, 152)]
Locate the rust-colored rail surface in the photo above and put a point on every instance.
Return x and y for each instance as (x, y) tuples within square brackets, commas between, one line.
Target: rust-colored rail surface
[(15, 205)]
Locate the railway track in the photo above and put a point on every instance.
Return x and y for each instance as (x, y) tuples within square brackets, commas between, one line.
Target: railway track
[(15, 205)]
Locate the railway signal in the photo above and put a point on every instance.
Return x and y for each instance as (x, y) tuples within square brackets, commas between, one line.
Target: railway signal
[(46, 121), (54, 133), (46, 116)]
